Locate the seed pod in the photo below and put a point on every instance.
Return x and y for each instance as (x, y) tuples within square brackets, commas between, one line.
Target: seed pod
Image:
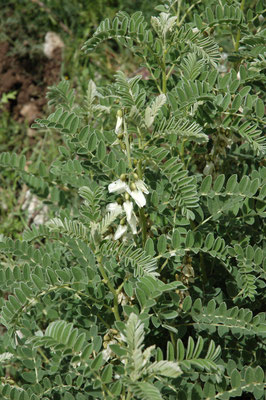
[(120, 136), (133, 186), (119, 113), (136, 177), (123, 177)]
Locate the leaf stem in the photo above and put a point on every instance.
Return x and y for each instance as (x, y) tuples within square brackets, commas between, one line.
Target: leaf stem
[(186, 13), (238, 35), (127, 146), (164, 72), (110, 286), (141, 211)]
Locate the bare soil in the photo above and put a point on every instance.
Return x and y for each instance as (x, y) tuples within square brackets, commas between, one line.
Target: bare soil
[(30, 77)]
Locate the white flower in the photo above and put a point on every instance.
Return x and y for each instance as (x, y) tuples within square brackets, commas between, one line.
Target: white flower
[(130, 215), (136, 193), (138, 196), (120, 231), (224, 56), (114, 207), (133, 223), (128, 207), (119, 125), (141, 186), (117, 186)]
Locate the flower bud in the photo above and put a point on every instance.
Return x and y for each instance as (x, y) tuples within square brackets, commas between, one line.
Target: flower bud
[(123, 221), (127, 197), (133, 186), (136, 177)]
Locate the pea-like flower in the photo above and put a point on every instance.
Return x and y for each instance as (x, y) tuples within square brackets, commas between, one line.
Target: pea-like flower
[(131, 218), (119, 123), (135, 190)]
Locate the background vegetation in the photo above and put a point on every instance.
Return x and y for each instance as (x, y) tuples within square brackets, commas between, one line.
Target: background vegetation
[(195, 280)]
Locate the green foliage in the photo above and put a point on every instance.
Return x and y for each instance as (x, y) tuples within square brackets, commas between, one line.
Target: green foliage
[(147, 281)]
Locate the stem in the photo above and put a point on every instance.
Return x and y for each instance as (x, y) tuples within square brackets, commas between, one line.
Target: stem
[(238, 31), (46, 360), (110, 286), (143, 225), (172, 339), (141, 211), (164, 73), (164, 264), (127, 146), (182, 151), (187, 12), (170, 71), (178, 11), (128, 395), (152, 74)]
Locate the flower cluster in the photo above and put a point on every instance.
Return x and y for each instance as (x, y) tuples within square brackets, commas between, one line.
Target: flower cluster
[(132, 188), (136, 191)]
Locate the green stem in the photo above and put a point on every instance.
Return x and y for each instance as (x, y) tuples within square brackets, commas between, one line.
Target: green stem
[(143, 225), (110, 286), (164, 73), (238, 35), (187, 12), (127, 146), (128, 395), (164, 264), (172, 339), (152, 74), (46, 360), (182, 151), (178, 11), (170, 71), (141, 211)]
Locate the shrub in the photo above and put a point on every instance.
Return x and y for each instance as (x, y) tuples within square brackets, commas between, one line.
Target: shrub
[(147, 282)]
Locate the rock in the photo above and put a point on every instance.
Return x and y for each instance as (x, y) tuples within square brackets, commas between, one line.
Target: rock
[(29, 111), (52, 42), (31, 132)]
